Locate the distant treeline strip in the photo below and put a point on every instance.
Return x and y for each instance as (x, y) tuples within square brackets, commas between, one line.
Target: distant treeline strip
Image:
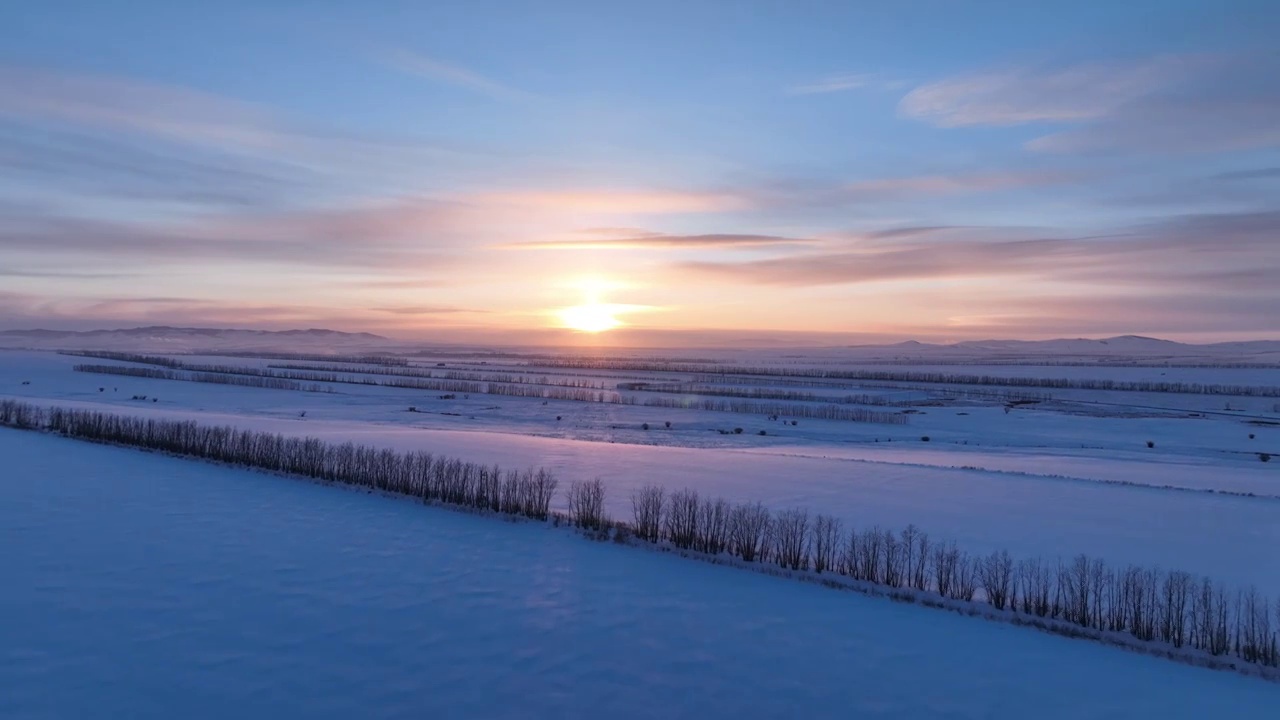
[(125, 357), (419, 474), (574, 394), (930, 377), (387, 360), (482, 375), (755, 407), (269, 383), (755, 393), (1168, 612)]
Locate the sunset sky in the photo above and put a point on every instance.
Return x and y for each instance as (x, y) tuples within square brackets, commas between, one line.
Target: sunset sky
[(660, 170)]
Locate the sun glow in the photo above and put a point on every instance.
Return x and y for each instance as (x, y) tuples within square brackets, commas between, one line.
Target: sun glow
[(590, 318), (593, 314)]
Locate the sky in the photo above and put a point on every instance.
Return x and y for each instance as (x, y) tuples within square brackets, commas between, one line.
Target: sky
[(644, 173)]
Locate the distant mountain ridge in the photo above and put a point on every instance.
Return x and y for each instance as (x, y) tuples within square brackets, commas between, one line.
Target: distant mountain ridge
[(164, 337), (1118, 344)]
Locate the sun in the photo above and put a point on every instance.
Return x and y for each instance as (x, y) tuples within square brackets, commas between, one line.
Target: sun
[(591, 317)]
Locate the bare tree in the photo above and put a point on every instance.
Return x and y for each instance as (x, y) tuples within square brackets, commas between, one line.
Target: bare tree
[(1174, 606), (791, 539), (1036, 580), (646, 509), (586, 504), (749, 531), (827, 534), (946, 558), (869, 553), (894, 560), (996, 574), (713, 525), (682, 518), (966, 584)]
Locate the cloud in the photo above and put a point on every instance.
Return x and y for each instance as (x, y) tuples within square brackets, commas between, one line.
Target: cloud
[(791, 195), (64, 274), (439, 71), (1016, 97), (1172, 103), (1162, 313), (911, 231), (1269, 173), (1206, 251), (137, 169), (835, 83), (934, 261), (661, 241), (425, 310), (124, 104), (389, 235), (100, 135), (31, 310), (614, 202), (953, 184)]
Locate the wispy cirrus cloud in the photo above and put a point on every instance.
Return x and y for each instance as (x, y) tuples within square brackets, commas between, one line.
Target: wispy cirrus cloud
[(19, 309), (450, 74), (1028, 95), (836, 83), (1172, 103), (1268, 173), (614, 202), (1220, 252), (665, 242), (929, 185), (108, 136), (426, 310), (126, 104)]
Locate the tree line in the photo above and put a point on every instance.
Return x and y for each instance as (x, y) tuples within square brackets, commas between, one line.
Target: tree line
[(1149, 604), (929, 377), (1187, 613), (387, 360), (754, 393), (294, 379), (270, 383), (482, 376), (423, 475), (756, 407), (125, 357)]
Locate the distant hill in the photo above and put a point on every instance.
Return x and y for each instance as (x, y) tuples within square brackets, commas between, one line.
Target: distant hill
[(1124, 347), (185, 339)]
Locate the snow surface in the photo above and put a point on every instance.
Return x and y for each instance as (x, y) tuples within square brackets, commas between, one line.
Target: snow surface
[(143, 586), (1036, 483)]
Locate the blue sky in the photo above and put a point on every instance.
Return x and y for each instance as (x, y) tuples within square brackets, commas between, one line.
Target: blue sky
[(936, 170)]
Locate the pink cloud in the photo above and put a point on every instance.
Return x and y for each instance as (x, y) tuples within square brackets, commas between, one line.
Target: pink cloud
[(614, 202)]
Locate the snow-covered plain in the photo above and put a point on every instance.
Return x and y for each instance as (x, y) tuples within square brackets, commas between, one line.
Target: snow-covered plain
[(150, 587), (1034, 482)]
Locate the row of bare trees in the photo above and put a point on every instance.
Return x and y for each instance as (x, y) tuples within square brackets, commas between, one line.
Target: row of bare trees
[(418, 474), (159, 360), (383, 360), (293, 379), (496, 376), (754, 393), (574, 393), (1150, 604), (1171, 607), (271, 383), (920, 377), (760, 407)]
